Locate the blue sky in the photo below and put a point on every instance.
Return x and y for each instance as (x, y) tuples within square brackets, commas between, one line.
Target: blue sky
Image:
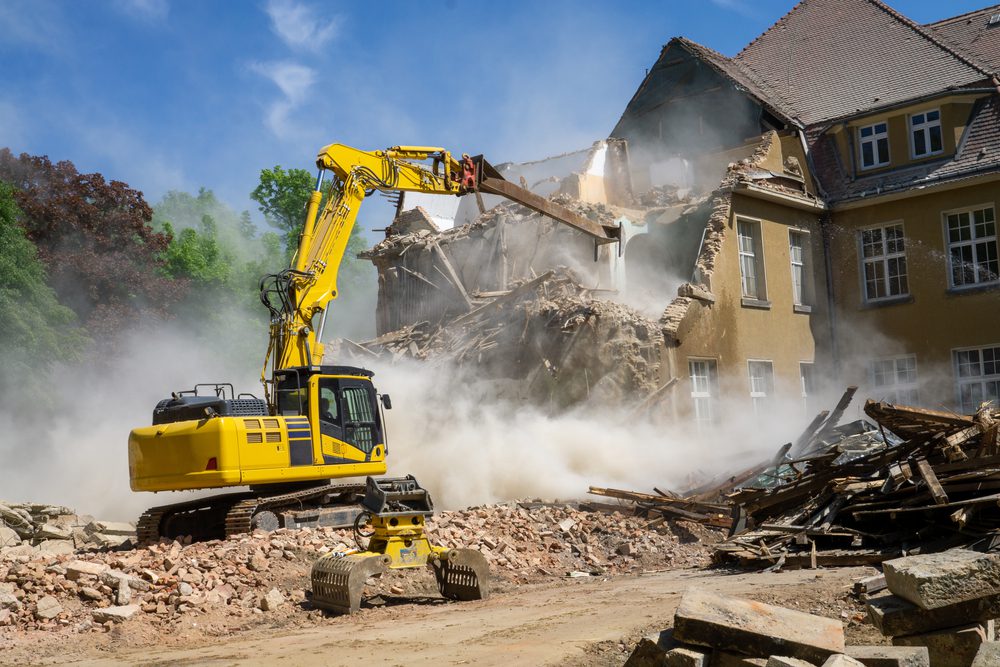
[(178, 94)]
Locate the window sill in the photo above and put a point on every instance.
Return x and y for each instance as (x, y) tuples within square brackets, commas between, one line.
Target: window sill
[(749, 302), (972, 289), (894, 301), (800, 308)]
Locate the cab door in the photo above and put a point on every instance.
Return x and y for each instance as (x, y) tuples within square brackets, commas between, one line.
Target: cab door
[(328, 429)]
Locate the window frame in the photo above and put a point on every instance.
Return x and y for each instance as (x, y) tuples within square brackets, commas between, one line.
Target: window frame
[(806, 298), (874, 140), (807, 392), (925, 127), (973, 242), (760, 277), (760, 399), (895, 388), (884, 260), (711, 396), (981, 379)]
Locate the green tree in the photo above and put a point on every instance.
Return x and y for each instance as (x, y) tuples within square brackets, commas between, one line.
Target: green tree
[(36, 331), (283, 196)]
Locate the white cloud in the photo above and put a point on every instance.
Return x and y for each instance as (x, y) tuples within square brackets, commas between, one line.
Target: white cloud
[(146, 10), (294, 81), (299, 26), (738, 6), (32, 24)]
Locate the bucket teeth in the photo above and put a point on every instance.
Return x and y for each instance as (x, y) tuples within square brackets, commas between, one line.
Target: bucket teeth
[(338, 581), (462, 574)]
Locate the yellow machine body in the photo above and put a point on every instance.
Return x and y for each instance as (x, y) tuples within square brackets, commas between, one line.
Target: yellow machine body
[(220, 451)]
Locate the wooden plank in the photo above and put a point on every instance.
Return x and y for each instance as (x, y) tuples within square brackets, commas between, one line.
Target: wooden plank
[(451, 274), (940, 497), (498, 302)]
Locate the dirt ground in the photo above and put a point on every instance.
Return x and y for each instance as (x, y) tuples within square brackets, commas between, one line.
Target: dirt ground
[(568, 621)]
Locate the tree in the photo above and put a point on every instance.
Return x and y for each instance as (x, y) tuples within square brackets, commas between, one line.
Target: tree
[(283, 196), (197, 255), (94, 236), (36, 331)]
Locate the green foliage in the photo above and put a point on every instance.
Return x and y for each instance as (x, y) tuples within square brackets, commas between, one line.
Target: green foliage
[(36, 331), (197, 255), (283, 196)]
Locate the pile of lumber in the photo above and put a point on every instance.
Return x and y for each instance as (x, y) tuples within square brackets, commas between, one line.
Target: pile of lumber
[(935, 484), (665, 506)]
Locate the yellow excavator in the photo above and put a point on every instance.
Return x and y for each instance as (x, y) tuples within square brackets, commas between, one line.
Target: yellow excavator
[(316, 422)]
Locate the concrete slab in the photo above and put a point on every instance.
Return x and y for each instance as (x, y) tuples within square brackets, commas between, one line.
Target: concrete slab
[(988, 655), (890, 656), (954, 647), (938, 580), (784, 661), (754, 628), (842, 661)]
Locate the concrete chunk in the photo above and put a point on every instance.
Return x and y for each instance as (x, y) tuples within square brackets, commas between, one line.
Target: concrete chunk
[(842, 661), (890, 656), (115, 614), (785, 661), (893, 616), (47, 608), (8, 538), (754, 628), (110, 528), (77, 568), (988, 655), (727, 659), (942, 579), (651, 650), (954, 647)]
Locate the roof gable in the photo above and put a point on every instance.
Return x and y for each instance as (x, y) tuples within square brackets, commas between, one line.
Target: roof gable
[(834, 58)]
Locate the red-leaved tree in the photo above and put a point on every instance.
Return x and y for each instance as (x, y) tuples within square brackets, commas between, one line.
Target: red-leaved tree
[(102, 255)]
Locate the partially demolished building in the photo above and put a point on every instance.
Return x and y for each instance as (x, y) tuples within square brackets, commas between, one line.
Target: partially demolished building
[(820, 205)]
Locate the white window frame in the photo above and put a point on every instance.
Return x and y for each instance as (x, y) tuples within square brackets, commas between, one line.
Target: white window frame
[(760, 396), (752, 257), (808, 392), (974, 242), (987, 382), (885, 259), (904, 388), (805, 287), (924, 127), (874, 138), (704, 398)]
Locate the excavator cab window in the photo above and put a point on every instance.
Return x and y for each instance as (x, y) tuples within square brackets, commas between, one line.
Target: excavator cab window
[(361, 425), (329, 409)]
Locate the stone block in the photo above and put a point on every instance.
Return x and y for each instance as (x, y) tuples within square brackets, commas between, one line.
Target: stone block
[(56, 547), (727, 659), (111, 528), (272, 600), (8, 537), (954, 647), (942, 579), (47, 608), (115, 614), (78, 568), (842, 661), (988, 655), (50, 531), (785, 661), (890, 656), (754, 628)]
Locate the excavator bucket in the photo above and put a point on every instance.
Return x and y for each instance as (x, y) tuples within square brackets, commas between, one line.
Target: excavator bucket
[(339, 580), (462, 574)]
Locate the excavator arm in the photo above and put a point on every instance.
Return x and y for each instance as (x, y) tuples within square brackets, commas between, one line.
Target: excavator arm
[(297, 295)]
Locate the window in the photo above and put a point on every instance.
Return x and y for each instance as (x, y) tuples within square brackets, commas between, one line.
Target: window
[(894, 379), (751, 260), (800, 256), (761, 385), (808, 383), (972, 247), (360, 426), (925, 131), (874, 141), (978, 374), (883, 262), (704, 389)]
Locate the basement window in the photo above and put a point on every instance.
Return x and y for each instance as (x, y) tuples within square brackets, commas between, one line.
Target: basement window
[(874, 140), (972, 247), (977, 371), (751, 260), (925, 133), (883, 263), (894, 379), (704, 391), (761, 385)]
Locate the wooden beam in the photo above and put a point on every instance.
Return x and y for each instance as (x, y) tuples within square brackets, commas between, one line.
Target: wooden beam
[(940, 497)]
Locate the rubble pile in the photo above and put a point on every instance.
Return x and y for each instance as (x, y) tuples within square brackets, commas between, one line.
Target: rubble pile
[(926, 481), (711, 629), (250, 575), (945, 602), (31, 529)]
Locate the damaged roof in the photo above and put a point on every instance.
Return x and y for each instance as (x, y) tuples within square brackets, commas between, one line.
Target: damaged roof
[(836, 58), (979, 152), (976, 34)]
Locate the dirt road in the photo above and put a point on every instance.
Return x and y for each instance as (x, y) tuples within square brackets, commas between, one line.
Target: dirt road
[(571, 622)]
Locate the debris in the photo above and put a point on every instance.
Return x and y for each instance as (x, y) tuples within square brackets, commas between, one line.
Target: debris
[(943, 579), (890, 656), (115, 614), (47, 608), (954, 647), (272, 600)]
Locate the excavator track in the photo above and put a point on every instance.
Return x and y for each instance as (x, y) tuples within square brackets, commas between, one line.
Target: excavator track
[(231, 514)]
